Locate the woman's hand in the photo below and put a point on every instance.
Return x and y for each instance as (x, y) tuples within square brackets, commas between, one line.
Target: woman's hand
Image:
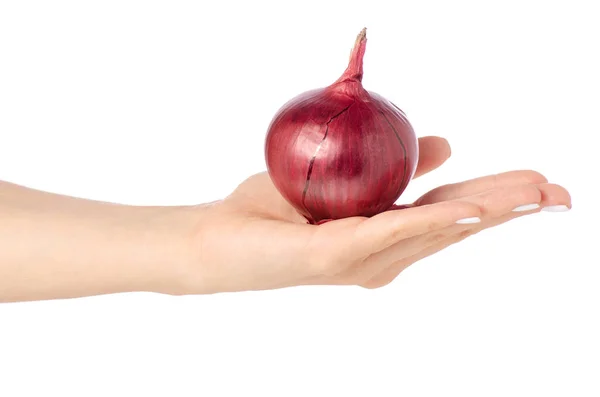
[(255, 240), (54, 246)]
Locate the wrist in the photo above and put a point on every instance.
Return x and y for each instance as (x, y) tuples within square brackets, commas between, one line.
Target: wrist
[(164, 253)]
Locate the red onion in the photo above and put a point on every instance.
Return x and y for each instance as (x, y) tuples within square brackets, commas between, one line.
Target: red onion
[(341, 151)]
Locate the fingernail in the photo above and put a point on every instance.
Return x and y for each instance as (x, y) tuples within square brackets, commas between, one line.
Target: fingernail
[(469, 220), (526, 207), (556, 208)]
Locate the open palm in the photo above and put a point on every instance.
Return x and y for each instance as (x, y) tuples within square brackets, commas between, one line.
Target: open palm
[(270, 245)]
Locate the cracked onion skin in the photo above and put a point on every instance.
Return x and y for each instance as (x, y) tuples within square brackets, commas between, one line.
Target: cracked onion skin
[(341, 151)]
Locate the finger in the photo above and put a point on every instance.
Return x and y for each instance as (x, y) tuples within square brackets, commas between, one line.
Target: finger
[(523, 198), (497, 202), (492, 204), (489, 205), (553, 196), (340, 245), (433, 152), (388, 228), (356, 240), (478, 185), (457, 235)]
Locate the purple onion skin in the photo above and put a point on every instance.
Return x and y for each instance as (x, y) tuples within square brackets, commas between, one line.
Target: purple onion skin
[(341, 151)]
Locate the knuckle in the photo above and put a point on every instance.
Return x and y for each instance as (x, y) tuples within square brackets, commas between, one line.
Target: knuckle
[(531, 194), (395, 236), (534, 177), (432, 226), (463, 234), (466, 233), (434, 238), (398, 234), (495, 181)]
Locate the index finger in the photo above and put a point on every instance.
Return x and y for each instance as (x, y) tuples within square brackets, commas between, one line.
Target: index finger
[(478, 185)]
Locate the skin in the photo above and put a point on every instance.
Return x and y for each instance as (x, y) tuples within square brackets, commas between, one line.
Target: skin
[(54, 246)]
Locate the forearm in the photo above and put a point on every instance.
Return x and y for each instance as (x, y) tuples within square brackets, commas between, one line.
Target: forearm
[(53, 246)]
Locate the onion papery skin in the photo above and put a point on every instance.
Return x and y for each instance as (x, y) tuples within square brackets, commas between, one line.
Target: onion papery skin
[(341, 151)]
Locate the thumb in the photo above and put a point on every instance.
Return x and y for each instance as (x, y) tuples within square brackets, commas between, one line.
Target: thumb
[(433, 152)]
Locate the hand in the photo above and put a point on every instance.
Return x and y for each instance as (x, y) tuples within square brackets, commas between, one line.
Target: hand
[(255, 240)]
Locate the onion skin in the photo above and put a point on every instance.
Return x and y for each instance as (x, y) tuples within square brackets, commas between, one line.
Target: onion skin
[(341, 151)]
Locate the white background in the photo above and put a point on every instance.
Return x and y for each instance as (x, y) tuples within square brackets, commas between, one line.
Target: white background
[(149, 102)]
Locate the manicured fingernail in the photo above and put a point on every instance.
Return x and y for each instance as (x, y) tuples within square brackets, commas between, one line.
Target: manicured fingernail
[(526, 207), (469, 220), (556, 208)]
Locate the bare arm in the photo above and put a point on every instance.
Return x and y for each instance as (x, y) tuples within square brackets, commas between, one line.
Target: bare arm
[(54, 246)]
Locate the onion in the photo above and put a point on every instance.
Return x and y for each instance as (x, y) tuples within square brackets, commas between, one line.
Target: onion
[(341, 151)]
